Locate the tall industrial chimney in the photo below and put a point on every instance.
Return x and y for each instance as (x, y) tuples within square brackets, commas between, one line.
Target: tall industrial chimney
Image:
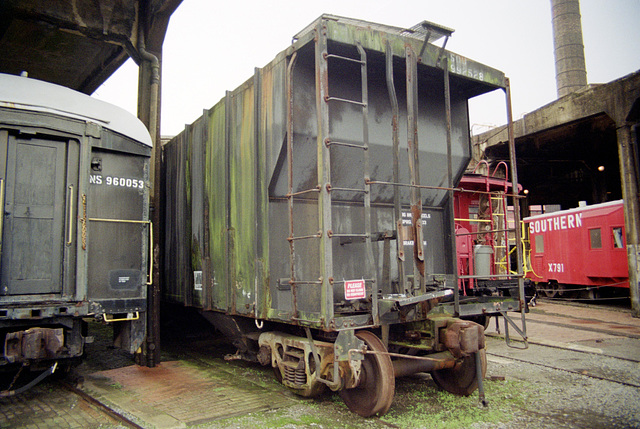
[(571, 71)]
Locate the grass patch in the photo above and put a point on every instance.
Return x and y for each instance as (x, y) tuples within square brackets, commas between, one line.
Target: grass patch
[(424, 405), (418, 403), (298, 416)]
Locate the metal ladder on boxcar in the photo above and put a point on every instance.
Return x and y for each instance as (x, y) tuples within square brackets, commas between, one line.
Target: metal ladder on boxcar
[(362, 147), (325, 199)]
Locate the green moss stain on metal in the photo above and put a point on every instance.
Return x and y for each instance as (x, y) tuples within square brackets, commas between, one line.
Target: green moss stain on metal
[(313, 320), (242, 182), (459, 65), (265, 124), (238, 221), (215, 187), (350, 34), (375, 40)]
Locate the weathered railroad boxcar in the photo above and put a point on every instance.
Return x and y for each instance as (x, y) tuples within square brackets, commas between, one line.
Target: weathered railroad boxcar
[(580, 253), (74, 189), (309, 213)]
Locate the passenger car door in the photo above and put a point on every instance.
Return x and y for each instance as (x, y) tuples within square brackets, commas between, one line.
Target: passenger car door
[(37, 196)]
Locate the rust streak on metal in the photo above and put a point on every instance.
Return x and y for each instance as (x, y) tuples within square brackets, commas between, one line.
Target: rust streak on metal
[(416, 229), (289, 90)]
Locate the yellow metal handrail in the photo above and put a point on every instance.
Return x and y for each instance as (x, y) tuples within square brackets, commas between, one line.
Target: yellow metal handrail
[(471, 220)]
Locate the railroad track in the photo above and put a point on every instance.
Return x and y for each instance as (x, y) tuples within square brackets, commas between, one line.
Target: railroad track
[(58, 402), (593, 341), (100, 406), (583, 373), (615, 329)]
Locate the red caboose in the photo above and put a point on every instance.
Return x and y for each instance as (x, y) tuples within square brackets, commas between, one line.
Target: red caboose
[(482, 225), (579, 253)]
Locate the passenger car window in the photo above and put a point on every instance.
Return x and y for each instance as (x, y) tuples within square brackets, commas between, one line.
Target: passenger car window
[(595, 238), (618, 241), (539, 243)]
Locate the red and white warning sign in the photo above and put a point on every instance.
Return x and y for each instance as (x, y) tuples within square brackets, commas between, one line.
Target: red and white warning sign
[(354, 289)]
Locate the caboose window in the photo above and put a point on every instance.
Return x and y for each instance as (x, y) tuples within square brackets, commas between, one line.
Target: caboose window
[(539, 243), (595, 236), (618, 241)]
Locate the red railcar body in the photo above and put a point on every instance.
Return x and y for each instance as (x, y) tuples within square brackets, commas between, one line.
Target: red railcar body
[(578, 250)]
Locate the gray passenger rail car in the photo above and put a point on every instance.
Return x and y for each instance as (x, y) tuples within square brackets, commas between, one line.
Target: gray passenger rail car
[(74, 190), (309, 214)]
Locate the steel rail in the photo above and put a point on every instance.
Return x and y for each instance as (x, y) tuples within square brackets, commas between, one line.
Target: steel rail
[(571, 371), (101, 406)]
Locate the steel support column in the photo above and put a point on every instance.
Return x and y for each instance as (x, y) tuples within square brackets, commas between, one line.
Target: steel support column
[(324, 173), (149, 114), (516, 207), (629, 182)]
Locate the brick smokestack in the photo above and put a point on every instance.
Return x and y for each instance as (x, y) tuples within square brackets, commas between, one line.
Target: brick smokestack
[(571, 71)]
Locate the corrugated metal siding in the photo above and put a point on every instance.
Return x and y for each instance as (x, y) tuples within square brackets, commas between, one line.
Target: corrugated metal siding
[(195, 200), (176, 227), (242, 182), (216, 188)]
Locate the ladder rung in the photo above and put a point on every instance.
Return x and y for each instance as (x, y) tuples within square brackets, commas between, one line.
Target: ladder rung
[(294, 194), (305, 237), (329, 142), (339, 57), (334, 235), (343, 281), (364, 191), (344, 100)]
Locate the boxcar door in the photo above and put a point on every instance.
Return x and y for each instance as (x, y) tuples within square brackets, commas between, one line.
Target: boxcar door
[(33, 238)]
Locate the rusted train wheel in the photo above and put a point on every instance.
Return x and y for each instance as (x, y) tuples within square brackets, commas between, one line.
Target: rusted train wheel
[(375, 392), (461, 379)]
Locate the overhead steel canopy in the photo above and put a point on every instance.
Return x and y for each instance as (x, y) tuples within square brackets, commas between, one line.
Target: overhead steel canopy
[(78, 43), (568, 150)]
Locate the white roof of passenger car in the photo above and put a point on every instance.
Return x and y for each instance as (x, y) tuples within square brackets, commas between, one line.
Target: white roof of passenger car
[(35, 95)]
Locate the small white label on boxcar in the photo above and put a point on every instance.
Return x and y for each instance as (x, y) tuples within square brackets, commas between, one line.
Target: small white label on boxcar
[(197, 280)]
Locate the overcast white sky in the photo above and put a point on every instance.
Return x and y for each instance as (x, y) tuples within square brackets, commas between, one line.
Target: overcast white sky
[(213, 46)]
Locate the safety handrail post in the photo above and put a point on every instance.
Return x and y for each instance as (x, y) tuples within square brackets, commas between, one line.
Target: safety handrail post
[(516, 204)]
